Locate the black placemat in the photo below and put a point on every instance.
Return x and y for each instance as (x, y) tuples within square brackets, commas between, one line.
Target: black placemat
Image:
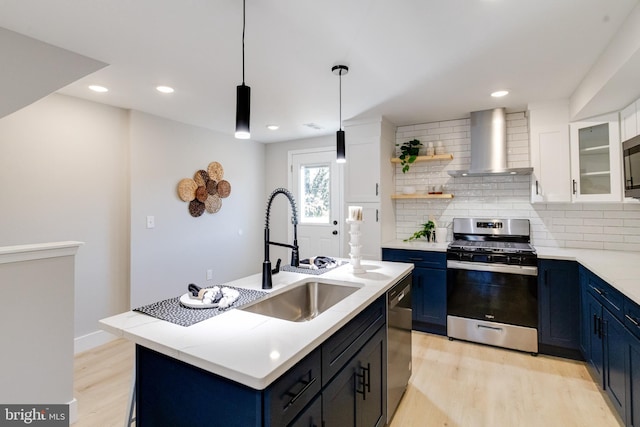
[(317, 272), (172, 311)]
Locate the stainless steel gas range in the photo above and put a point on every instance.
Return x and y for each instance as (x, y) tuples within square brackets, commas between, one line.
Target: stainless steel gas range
[(492, 283)]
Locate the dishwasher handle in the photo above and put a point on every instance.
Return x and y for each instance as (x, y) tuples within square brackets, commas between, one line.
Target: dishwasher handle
[(395, 299)]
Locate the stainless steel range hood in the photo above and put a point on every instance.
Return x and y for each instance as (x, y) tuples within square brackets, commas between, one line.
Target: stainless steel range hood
[(489, 146)]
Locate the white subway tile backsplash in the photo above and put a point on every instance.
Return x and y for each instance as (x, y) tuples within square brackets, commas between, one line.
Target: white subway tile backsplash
[(612, 226)]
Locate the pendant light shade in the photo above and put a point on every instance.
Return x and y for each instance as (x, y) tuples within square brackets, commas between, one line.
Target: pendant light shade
[(243, 110), (243, 96), (340, 70), (340, 150)]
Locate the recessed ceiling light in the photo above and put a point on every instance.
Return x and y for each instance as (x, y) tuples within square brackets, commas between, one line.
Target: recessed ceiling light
[(500, 93), (97, 88), (165, 89), (313, 126), (273, 127)]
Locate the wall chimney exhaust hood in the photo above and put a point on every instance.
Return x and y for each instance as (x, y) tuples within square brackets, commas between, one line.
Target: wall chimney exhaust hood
[(489, 146)]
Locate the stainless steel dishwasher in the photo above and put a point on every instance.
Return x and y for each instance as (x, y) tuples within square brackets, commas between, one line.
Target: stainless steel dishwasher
[(398, 343)]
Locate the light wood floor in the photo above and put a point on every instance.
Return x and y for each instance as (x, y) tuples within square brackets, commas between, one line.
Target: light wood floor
[(454, 384)]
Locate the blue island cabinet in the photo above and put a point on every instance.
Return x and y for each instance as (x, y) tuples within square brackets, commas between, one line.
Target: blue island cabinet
[(559, 308), (429, 287), (345, 376)]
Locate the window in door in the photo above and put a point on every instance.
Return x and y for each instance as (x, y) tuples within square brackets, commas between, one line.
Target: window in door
[(315, 188)]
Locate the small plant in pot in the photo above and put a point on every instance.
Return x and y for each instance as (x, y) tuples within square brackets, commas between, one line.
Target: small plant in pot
[(408, 153), (428, 229)]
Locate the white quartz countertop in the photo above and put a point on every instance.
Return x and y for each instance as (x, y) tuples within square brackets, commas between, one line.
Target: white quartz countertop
[(620, 269), (249, 348)]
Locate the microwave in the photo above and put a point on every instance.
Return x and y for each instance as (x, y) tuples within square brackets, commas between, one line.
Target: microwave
[(631, 162)]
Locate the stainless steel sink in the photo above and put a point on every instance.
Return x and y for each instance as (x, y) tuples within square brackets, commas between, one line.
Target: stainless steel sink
[(303, 301)]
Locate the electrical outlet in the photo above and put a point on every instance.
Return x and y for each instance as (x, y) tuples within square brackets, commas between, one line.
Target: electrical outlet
[(151, 221), (209, 274)]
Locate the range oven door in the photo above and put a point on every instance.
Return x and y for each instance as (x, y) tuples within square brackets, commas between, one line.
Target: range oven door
[(494, 304)]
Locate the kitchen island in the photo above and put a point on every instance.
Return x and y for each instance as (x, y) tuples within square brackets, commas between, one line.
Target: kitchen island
[(246, 355)]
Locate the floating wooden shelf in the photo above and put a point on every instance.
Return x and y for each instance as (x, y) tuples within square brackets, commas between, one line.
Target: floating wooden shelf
[(422, 196), (427, 158)]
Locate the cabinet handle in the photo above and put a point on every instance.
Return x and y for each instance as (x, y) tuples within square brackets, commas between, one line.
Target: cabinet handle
[(307, 384), (414, 259), (600, 328), (537, 187), (368, 369), (376, 215), (632, 320), (376, 188), (595, 325), (596, 290), (361, 382), (575, 187)]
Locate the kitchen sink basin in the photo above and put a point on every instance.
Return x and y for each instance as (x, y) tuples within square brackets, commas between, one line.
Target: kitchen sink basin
[(303, 301)]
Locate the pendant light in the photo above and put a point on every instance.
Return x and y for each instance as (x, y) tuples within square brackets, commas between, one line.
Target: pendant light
[(340, 70), (243, 96)]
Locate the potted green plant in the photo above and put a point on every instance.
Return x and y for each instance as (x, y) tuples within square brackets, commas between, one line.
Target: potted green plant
[(426, 231), (408, 153)]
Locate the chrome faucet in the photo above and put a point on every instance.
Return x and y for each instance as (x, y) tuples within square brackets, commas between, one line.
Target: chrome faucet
[(267, 272)]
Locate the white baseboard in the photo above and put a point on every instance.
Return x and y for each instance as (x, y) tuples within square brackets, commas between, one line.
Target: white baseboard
[(92, 340)]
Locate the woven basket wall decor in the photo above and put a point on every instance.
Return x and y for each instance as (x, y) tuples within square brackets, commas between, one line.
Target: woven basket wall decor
[(204, 193)]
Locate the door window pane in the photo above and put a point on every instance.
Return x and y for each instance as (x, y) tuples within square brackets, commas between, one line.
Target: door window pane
[(315, 189)]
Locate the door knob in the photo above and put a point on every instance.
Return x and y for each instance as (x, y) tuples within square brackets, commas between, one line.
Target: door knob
[(334, 232)]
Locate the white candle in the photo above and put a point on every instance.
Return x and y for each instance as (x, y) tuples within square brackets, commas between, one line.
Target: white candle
[(355, 213)]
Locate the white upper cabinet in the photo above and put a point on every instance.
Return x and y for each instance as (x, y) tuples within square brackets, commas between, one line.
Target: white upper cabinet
[(595, 160), (550, 152), (630, 121)]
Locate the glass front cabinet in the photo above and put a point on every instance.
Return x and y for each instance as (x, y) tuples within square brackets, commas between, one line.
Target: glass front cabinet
[(595, 159)]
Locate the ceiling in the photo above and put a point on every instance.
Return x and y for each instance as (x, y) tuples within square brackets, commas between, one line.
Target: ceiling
[(412, 61)]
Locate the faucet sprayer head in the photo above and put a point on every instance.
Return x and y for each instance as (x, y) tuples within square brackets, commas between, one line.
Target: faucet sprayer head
[(292, 202)]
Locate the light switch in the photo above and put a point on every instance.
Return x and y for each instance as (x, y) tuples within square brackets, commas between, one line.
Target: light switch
[(151, 221)]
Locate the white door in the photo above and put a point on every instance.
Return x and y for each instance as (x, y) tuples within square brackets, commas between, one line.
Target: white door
[(316, 180)]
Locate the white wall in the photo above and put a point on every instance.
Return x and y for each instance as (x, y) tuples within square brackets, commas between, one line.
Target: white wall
[(614, 226), (277, 175), (77, 170), (64, 175), (179, 250)]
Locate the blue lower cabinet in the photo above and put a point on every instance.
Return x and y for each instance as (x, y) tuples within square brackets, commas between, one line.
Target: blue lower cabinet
[(357, 395), (430, 300), (559, 308), (429, 287), (633, 392), (615, 343), (594, 338), (611, 349)]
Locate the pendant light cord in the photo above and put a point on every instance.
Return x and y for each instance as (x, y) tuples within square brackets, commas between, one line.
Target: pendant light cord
[(243, 26), (340, 98)]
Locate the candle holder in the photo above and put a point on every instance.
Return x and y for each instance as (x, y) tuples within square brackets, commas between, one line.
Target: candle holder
[(355, 246)]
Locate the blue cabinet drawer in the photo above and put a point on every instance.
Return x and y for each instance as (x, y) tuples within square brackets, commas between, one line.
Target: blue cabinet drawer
[(289, 394), (609, 297), (418, 258), (632, 317)]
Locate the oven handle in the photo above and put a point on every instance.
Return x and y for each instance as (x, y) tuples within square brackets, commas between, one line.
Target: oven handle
[(494, 268)]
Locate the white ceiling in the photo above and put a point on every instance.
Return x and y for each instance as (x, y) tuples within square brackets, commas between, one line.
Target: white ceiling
[(412, 61)]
